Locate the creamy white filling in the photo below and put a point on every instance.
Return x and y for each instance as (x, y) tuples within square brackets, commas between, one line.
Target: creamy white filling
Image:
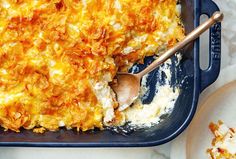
[(6, 4), (116, 26), (8, 97), (178, 9), (3, 71), (141, 38), (151, 48), (61, 123), (148, 114), (105, 96), (74, 27), (127, 50), (84, 2), (117, 5)]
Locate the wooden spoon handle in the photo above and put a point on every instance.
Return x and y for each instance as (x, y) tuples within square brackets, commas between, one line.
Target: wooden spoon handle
[(216, 17)]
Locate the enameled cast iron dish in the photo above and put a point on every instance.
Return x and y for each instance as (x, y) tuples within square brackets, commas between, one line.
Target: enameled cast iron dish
[(187, 75)]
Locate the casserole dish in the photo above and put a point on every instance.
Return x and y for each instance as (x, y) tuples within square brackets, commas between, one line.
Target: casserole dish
[(187, 76)]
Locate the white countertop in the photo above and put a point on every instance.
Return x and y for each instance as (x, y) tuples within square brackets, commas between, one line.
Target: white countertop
[(159, 152)]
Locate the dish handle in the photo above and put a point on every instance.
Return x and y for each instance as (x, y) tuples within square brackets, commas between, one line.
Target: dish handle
[(210, 75)]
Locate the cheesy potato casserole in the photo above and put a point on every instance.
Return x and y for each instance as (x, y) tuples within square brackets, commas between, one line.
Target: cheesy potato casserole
[(57, 57)]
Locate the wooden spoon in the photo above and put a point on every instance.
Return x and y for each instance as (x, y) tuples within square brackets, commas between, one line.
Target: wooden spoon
[(128, 85)]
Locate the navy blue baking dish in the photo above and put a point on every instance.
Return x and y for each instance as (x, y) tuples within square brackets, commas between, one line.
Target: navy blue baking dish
[(188, 76)]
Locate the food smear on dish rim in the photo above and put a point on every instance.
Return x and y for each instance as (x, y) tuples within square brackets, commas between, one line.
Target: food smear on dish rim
[(57, 58)]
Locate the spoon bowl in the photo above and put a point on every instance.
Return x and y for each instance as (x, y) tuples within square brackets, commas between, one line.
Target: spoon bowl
[(126, 88)]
